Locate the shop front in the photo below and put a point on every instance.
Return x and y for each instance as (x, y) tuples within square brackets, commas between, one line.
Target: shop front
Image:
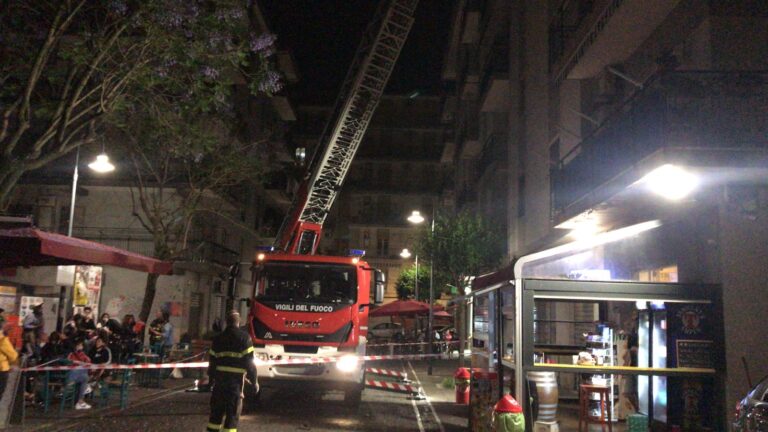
[(602, 332)]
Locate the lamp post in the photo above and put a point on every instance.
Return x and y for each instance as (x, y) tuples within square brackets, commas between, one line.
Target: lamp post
[(416, 218), (100, 165)]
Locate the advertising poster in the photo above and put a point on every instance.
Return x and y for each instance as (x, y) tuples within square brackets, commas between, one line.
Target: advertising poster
[(87, 287)]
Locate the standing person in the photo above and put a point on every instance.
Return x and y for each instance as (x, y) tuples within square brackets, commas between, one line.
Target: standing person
[(8, 356), (231, 360), (33, 326), (167, 338), (156, 329), (79, 376)]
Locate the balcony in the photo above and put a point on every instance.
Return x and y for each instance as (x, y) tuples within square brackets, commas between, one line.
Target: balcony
[(494, 85), (141, 242), (204, 251), (714, 118), (494, 153), (588, 35), (131, 239)]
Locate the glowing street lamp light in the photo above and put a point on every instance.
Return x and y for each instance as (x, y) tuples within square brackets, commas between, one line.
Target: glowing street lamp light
[(671, 182), (416, 217), (102, 164), (405, 253)]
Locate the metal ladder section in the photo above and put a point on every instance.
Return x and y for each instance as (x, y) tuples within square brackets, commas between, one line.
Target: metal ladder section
[(363, 86)]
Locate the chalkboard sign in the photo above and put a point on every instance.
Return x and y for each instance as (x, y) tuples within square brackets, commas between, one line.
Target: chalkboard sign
[(694, 354)]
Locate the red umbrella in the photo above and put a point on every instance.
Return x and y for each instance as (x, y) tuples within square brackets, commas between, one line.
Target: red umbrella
[(402, 307), (442, 314)]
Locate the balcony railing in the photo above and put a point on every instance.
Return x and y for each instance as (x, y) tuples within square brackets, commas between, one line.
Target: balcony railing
[(567, 19), (130, 239), (204, 251), (704, 110), (141, 242)]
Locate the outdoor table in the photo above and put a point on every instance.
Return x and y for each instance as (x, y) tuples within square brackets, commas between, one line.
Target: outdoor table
[(147, 377)]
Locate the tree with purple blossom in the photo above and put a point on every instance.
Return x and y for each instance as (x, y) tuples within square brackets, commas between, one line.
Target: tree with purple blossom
[(157, 78), (68, 67)]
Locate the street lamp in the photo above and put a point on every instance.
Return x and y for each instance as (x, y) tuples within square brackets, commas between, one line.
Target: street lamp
[(100, 165), (416, 218)]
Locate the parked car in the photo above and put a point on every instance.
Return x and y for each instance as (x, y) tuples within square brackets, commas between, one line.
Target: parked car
[(752, 411), (386, 330)]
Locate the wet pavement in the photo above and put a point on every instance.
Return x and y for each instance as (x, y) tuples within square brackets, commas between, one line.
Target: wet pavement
[(175, 409)]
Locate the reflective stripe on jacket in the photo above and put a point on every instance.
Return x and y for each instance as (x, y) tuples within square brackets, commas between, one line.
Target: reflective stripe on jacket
[(232, 353)]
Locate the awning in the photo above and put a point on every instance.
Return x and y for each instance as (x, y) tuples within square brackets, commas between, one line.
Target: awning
[(403, 307), (26, 247)]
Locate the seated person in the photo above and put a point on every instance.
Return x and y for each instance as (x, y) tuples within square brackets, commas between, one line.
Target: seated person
[(101, 355), (79, 376), (54, 348)]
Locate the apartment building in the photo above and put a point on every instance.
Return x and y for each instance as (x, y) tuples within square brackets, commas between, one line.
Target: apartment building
[(397, 170), (614, 114)]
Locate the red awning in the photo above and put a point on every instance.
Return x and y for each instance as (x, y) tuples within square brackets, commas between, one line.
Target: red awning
[(26, 247), (403, 307)]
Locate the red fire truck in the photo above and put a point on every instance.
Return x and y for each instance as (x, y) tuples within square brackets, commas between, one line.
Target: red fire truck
[(308, 305)]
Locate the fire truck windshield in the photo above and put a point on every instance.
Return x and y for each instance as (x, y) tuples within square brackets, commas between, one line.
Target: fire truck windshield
[(307, 283)]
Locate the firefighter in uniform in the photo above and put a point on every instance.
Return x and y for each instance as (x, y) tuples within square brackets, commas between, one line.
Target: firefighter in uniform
[(230, 361)]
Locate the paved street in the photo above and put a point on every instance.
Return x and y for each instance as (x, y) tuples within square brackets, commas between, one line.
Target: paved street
[(178, 410)]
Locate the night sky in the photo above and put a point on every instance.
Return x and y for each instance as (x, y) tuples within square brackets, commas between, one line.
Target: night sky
[(323, 35)]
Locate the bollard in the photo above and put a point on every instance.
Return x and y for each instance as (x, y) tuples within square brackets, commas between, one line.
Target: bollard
[(508, 415), (461, 381)]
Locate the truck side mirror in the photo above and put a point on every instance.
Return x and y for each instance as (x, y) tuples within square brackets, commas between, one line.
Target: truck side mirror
[(380, 284)]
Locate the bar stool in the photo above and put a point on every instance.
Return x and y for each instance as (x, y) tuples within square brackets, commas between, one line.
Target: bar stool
[(585, 390)]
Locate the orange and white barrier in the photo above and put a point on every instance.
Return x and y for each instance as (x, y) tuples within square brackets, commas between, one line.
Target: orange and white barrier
[(391, 386), (388, 372)]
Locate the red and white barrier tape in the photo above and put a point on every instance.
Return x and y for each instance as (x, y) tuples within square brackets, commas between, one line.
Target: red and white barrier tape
[(412, 343), (386, 385), (117, 366), (289, 361), (387, 372)]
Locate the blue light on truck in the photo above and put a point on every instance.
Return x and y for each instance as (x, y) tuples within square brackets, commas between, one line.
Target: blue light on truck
[(357, 252)]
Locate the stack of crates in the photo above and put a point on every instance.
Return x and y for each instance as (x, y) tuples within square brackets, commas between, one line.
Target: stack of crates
[(637, 423)]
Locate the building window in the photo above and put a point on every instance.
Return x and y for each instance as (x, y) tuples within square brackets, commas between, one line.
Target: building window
[(382, 242), (366, 239)]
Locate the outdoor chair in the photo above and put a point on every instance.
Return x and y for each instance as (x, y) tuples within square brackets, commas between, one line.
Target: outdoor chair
[(53, 382), (121, 385), (68, 395)]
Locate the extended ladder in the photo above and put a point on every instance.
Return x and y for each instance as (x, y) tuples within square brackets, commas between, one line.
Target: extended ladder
[(360, 94)]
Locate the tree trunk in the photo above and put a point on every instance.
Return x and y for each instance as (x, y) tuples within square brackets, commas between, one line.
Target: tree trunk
[(149, 296), (9, 176)]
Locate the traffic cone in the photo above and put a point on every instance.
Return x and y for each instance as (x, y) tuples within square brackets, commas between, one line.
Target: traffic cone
[(508, 415)]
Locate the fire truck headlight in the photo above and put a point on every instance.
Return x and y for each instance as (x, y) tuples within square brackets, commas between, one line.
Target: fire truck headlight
[(348, 363), (260, 358)]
